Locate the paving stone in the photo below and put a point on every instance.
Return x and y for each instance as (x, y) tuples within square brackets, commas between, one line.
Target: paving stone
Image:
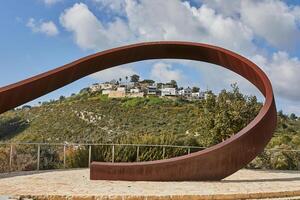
[(75, 185)]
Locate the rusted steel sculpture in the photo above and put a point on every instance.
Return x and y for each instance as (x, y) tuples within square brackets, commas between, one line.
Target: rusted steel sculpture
[(213, 163)]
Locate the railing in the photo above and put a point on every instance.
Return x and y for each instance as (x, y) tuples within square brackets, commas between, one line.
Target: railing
[(89, 146)]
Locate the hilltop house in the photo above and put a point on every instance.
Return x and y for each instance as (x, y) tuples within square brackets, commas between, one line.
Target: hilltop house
[(134, 90), (197, 95), (168, 92), (147, 87), (106, 92), (152, 90), (100, 86), (187, 92)]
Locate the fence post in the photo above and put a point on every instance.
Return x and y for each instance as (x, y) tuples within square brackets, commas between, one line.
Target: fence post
[(10, 157), (90, 155), (189, 150), (138, 153), (164, 152), (64, 155), (38, 157), (113, 153)]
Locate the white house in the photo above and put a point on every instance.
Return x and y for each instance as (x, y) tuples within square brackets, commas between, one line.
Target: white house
[(197, 95), (121, 89), (134, 90), (187, 92), (95, 87), (168, 92), (152, 90), (100, 86), (106, 91), (106, 86)]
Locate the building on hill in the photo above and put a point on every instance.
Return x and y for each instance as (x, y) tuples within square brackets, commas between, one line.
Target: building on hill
[(117, 94), (106, 92), (152, 90), (100, 86), (121, 88), (106, 86), (187, 92), (147, 87), (134, 90), (197, 95), (168, 92), (95, 87), (129, 85)]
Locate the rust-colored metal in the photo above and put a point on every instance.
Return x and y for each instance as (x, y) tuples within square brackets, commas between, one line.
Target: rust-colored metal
[(214, 163)]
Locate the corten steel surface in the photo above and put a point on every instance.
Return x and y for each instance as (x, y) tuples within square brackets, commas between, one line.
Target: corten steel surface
[(214, 163)]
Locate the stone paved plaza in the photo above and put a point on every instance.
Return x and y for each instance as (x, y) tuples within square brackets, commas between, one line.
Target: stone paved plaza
[(75, 184)]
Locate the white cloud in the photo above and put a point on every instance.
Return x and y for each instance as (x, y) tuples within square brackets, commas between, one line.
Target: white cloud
[(164, 72), (89, 32), (284, 74), (234, 27), (115, 6), (150, 20), (273, 20), (51, 2), (226, 9), (48, 27), (114, 73)]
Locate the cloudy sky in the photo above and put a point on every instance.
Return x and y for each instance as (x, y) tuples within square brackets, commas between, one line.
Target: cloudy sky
[(39, 35)]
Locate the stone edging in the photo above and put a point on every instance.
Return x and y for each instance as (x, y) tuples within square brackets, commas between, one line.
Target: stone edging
[(258, 195)]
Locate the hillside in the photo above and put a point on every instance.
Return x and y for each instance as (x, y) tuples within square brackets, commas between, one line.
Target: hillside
[(94, 118)]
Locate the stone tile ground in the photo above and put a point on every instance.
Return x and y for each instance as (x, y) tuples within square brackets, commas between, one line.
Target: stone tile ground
[(75, 184)]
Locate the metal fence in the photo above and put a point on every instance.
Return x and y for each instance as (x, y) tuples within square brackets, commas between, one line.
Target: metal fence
[(38, 148), (64, 146)]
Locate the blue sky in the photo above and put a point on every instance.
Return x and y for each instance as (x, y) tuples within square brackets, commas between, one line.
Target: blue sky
[(39, 35)]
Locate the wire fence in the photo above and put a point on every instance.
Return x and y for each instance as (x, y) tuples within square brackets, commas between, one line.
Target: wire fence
[(44, 156)]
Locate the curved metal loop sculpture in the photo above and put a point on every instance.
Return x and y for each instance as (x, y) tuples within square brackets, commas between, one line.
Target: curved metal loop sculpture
[(214, 163)]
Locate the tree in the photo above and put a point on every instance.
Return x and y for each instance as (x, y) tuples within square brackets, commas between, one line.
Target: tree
[(195, 89), (113, 82), (173, 83), (293, 116), (159, 85), (120, 80), (61, 98), (149, 81), (84, 90), (282, 115), (126, 78), (134, 78), (26, 107)]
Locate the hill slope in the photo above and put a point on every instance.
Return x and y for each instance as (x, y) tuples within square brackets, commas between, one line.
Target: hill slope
[(93, 118)]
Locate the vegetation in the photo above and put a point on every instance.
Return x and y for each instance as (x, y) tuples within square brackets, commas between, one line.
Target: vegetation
[(93, 118), (134, 78)]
